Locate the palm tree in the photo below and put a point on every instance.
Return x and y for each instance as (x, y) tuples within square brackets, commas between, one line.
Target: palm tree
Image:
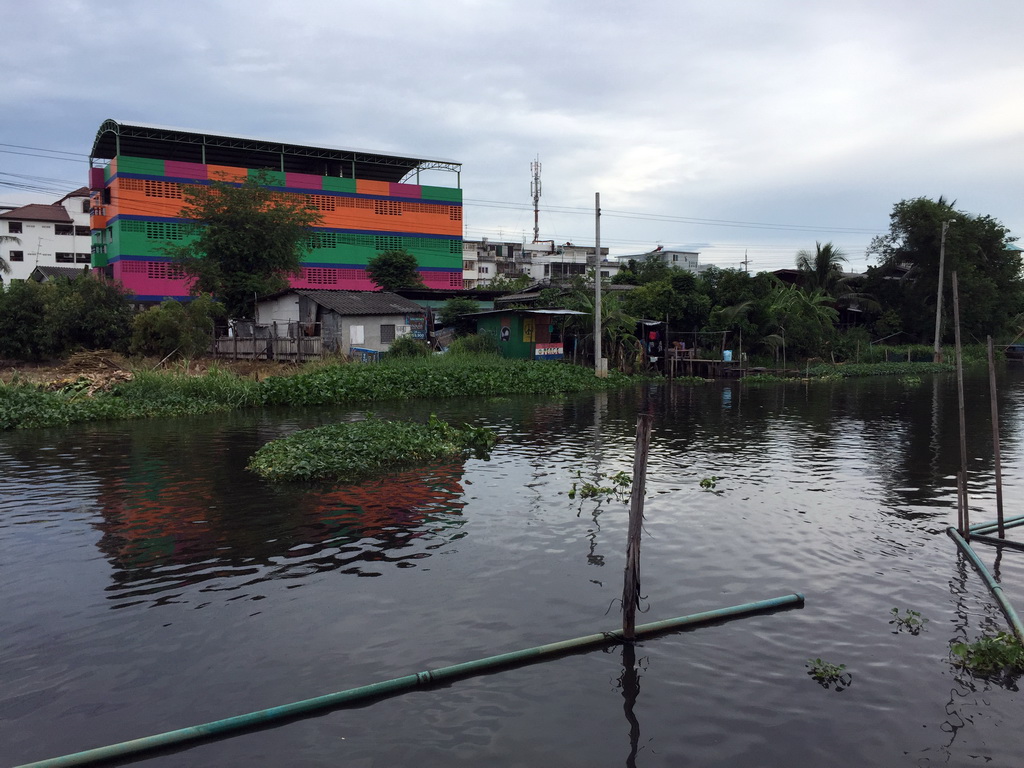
[(5, 268), (822, 269)]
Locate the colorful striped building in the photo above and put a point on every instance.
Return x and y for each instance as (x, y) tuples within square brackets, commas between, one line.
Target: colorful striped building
[(369, 203)]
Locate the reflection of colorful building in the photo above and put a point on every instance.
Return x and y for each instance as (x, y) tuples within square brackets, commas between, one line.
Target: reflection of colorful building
[(166, 525), (369, 203)]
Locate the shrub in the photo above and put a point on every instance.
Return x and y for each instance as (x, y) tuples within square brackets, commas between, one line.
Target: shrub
[(477, 344), (407, 346), (22, 318), (88, 313), (174, 328)]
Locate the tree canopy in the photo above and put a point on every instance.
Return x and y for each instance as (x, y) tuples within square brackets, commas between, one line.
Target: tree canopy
[(394, 270), (976, 248), (245, 241)]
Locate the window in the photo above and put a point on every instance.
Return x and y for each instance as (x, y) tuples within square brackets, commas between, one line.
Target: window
[(468, 264), (83, 258), (484, 270), (83, 231), (16, 256), (86, 206), (14, 227), (65, 258), (387, 333), (63, 229)]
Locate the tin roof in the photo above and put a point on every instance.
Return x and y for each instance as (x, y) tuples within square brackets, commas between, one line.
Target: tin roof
[(524, 312), (39, 212), (362, 302), (42, 274)]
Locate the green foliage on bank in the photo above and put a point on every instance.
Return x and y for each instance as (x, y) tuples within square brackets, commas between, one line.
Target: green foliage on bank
[(42, 320), (353, 451), (153, 394), (435, 377)]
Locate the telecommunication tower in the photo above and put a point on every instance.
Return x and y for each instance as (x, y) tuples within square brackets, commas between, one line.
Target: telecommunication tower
[(535, 194)]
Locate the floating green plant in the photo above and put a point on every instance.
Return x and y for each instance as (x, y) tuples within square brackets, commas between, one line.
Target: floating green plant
[(353, 451), (990, 656), (829, 675), (620, 488), (908, 621)]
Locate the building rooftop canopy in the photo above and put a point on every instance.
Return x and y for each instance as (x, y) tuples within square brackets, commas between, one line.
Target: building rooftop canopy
[(116, 137)]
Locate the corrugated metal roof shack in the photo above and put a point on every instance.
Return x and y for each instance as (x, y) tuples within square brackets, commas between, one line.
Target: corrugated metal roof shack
[(360, 323), (528, 334)]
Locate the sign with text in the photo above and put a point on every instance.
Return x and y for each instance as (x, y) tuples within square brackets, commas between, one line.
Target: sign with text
[(548, 352)]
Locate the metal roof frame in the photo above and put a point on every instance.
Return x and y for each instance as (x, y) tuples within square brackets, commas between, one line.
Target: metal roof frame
[(116, 137)]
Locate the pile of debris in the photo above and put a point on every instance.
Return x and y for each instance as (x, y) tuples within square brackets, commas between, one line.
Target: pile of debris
[(90, 372)]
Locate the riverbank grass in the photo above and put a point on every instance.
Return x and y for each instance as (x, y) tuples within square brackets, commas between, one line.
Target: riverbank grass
[(353, 451), (157, 394)]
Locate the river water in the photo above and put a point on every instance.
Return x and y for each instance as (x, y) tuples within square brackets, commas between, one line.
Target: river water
[(148, 582)]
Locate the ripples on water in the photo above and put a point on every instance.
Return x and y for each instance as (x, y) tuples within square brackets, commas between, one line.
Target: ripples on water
[(149, 583)]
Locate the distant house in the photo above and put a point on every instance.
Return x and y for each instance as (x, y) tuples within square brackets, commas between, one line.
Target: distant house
[(350, 322), (55, 235), (46, 274)]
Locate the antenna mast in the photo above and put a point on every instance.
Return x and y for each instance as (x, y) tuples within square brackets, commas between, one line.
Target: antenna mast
[(535, 194)]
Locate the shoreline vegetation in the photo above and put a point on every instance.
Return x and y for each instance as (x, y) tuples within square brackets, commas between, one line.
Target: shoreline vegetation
[(178, 392)]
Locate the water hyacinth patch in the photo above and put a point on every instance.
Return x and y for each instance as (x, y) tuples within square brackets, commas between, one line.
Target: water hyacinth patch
[(353, 451)]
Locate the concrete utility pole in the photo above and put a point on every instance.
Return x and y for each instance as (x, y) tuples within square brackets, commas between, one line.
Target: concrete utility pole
[(600, 364), (937, 353)]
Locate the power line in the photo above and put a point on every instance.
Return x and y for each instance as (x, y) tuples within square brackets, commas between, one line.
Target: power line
[(43, 149)]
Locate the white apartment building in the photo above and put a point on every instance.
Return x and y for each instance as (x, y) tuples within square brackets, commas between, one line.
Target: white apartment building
[(543, 262), (55, 235), (687, 260)]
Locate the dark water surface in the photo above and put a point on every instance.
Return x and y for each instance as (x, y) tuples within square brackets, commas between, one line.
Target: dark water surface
[(148, 582)]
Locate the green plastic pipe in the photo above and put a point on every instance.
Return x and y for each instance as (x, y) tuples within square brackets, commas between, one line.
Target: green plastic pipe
[(994, 526), (400, 684), (993, 586)]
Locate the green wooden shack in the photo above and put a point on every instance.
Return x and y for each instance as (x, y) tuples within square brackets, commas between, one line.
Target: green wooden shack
[(527, 334)]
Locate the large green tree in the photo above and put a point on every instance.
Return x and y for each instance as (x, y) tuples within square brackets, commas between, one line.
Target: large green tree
[(906, 278), (394, 270), (246, 240)]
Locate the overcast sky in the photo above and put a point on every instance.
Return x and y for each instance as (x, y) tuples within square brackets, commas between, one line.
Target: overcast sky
[(723, 127)]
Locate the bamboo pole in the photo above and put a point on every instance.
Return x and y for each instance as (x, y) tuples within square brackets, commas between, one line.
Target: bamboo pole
[(966, 520), (996, 457), (631, 582)]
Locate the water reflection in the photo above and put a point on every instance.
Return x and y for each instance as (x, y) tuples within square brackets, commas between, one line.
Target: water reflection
[(161, 532), (629, 683)]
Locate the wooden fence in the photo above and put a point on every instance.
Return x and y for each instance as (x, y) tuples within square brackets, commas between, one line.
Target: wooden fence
[(289, 342)]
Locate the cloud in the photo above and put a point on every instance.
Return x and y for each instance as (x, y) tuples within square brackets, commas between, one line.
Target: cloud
[(794, 112)]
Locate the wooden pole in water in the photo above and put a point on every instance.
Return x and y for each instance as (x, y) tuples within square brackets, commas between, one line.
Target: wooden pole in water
[(631, 583), (960, 503), (995, 437), (966, 532)]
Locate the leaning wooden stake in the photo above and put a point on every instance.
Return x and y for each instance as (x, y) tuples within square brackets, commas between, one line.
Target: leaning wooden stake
[(631, 583)]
